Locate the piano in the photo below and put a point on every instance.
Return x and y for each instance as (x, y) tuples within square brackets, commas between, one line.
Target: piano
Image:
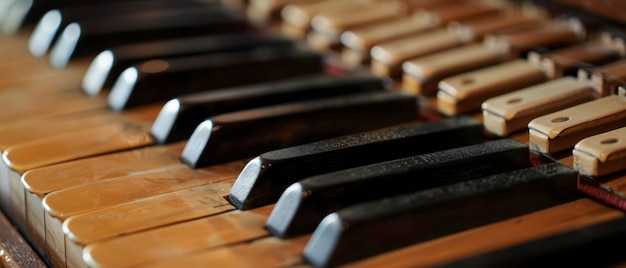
[(312, 133)]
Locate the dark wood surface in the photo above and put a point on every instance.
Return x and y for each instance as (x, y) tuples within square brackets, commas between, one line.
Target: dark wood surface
[(14, 250)]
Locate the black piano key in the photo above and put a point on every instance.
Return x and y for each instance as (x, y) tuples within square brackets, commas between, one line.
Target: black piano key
[(264, 179), (163, 79), (92, 36), (25, 12), (180, 116), (110, 63), (377, 226), (55, 20), (250, 132), (304, 204), (599, 245)]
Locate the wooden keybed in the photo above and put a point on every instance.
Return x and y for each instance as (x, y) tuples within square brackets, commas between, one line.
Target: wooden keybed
[(257, 245)]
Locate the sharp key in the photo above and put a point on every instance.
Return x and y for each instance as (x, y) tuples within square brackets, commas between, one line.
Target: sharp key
[(109, 64), (88, 37), (251, 132), (563, 129), (550, 34), (55, 20), (265, 177), (568, 60), (303, 205), (179, 117), (601, 154), (511, 112), (607, 78), (374, 227), (162, 79), (596, 242)]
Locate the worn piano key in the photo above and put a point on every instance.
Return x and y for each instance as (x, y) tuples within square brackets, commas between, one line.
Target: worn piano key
[(536, 225), (122, 190), (266, 252), (598, 245), (180, 116), (296, 17), (467, 91), (305, 203), (159, 80), (265, 178), (22, 13), (55, 20), (423, 74), (357, 42), (346, 235), (266, 10), (387, 57), (607, 78), (327, 26), (511, 112), (83, 38), (222, 137), (600, 154), (568, 60), (241, 226), (109, 64), (41, 181), (561, 130)]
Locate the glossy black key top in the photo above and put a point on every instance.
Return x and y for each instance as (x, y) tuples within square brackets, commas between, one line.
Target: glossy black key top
[(55, 20), (248, 133), (25, 12), (264, 179), (180, 116), (374, 227), (109, 64), (303, 205), (92, 36), (163, 79), (599, 245)]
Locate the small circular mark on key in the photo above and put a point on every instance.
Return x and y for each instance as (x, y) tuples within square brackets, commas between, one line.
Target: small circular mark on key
[(467, 80), (514, 101), (560, 119), (609, 141)]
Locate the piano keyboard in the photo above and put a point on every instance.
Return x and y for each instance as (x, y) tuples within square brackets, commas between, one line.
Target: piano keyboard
[(311, 133)]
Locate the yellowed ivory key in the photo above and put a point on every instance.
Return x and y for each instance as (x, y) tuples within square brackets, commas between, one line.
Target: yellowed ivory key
[(327, 26), (387, 57), (357, 42), (422, 74), (511, 112), (296, 17), (563, 129), (601, 154)]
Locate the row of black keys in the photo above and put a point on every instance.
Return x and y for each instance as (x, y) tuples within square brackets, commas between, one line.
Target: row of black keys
[(352, 188)]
